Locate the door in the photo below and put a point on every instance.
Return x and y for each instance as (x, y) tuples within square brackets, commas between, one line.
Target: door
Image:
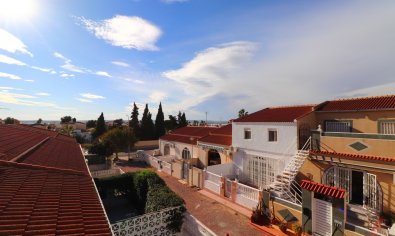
[(322, 217), (357, 188)]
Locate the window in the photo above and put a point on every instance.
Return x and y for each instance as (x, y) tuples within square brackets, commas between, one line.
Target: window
[(338, 126), (272, 135), (247, 133), (387, 126), (186, 155)]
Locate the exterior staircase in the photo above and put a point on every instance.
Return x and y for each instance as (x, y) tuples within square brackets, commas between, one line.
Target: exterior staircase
[(285, 185)]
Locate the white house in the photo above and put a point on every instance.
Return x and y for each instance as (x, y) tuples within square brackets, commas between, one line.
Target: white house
[(266, 141)]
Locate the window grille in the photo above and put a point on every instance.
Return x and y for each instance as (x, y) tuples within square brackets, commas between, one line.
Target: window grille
[(338, 126), (387, 127)]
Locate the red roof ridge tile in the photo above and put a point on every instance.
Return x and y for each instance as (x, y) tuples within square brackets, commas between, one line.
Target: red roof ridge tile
[(350, 155), (292, 106), (361, 98), (40, 167), (323, 189)]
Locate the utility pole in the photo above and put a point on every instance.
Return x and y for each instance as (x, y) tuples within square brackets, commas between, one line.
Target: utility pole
[(206, 118)]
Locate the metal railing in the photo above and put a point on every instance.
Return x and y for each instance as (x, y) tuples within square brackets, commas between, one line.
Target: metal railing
[(248, 192)]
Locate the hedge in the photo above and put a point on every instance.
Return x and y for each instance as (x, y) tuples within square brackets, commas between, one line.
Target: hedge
[(146, 191)]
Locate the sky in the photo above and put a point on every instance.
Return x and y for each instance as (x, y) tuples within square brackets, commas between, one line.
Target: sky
[(81, 58)]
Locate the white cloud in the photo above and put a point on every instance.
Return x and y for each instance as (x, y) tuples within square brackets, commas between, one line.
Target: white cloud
[(120, 63), (65, 75), (12, 44), (68, 65), (9, 76), (22, 99), (157, 96), (308, 59), (84, 100), (103, 73), (42, 94), (11, 61), (129, 32), (91, 96), (48, 70), (136, 81), (29, 80)]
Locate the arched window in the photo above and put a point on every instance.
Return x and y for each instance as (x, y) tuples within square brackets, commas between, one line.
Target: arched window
[(186, 154)]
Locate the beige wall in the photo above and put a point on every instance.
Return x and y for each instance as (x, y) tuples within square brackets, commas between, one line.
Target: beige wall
[(177, 169), (376, 147), (279, 207), (363, 121), (316, 170), (147, 143)]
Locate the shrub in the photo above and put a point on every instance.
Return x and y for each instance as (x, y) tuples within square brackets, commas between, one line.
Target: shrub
[(161, 197)]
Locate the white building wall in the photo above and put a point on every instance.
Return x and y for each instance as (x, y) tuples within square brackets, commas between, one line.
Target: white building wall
[(286, 145)]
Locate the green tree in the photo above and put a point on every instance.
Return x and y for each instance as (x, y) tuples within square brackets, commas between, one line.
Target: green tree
[(9, 121), (171, 123), (147, 125), (119, 139), (67, 130), (243, 113), (91, 124), (65, 119), (160, 123), (100, 127), (118, 123), (39, 121), (134, 122), (182, 122)]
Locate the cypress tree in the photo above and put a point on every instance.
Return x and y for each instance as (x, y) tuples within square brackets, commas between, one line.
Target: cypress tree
[(100, 127), (145, 124), (159, 123), (183, 121), (134, 122)]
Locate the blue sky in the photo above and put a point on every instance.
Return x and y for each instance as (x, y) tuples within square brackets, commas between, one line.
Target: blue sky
[(80, 58)]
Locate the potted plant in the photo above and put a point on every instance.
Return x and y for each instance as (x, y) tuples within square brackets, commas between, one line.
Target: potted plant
[(260, 215), (297, 229)]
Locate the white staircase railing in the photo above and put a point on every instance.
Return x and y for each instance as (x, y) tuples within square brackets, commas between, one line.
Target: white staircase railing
[(285, 185)]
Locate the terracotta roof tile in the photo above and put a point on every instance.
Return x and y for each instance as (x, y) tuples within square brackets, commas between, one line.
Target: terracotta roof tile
[(184, 134), (363, 103), (323, 189), (221, 136), (47, 190), (353, 156), (278, 114)]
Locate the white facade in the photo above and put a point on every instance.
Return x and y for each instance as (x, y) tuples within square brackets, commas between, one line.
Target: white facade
[(259, 159)]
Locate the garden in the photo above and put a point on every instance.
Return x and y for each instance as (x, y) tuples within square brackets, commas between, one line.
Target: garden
[(139, 193)]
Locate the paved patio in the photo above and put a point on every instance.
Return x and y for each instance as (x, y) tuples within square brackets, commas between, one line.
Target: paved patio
[(220, 219)]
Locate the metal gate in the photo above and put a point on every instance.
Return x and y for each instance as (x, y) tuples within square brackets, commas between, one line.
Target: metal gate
[(228, 187), (322, 217), (370, 190)]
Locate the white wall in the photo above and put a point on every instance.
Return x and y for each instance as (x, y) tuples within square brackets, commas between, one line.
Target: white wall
[(286, 144)]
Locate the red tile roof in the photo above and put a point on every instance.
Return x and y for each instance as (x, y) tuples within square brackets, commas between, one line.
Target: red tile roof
[(364, 103), (46, 188), (278, 114), (185, 134), (353, 156), (221, 136), (323, 189), (36, 200)]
